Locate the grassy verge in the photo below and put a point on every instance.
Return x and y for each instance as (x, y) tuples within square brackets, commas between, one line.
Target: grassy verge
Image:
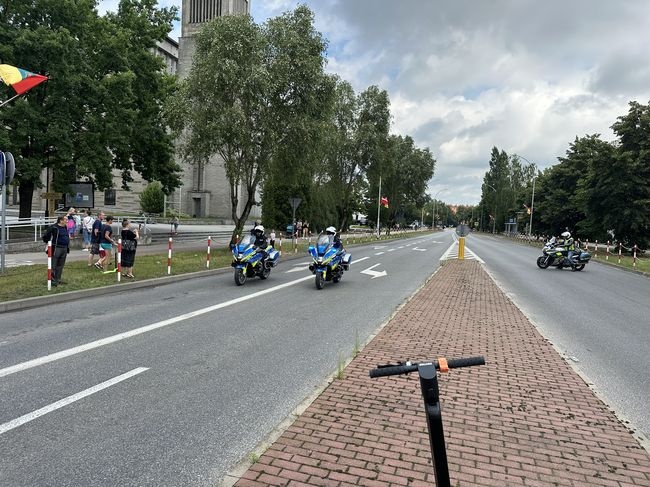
[(31, 281)]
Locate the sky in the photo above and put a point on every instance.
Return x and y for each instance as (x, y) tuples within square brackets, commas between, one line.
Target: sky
[(464, 76)]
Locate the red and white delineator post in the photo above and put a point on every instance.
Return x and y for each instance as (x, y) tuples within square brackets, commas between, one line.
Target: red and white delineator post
[(207, 263), (169, 257), (49, 265), (119, 260)]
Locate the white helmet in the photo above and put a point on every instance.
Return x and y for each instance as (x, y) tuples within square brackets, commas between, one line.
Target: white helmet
[(259, 228), (331, 230), (566, 235)]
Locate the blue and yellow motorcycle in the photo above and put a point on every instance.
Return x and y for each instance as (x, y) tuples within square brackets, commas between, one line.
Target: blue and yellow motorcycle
[(328, 261), (250, 261)]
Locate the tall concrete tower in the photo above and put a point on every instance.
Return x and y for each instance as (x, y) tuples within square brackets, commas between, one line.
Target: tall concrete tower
[(205, 190)]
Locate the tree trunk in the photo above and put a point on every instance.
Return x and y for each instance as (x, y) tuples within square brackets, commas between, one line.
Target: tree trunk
[(26, 193)]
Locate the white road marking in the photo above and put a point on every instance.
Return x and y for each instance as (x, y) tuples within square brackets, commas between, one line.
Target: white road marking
[(68, 400), (379, 253), (359, 260), (138, 331), (374, 274), (390, 250), (419, 250), (298, 269)]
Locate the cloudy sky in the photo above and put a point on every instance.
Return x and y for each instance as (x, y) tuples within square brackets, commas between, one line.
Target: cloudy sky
[(466, 75)]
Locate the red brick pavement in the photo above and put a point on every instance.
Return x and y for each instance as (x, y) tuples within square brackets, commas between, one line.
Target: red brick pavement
[(525, 418)]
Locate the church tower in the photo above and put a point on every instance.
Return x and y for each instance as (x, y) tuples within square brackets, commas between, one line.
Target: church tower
[(205, 190)]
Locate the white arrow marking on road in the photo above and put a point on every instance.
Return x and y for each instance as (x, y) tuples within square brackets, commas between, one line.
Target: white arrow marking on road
[(419, 250), (68, 400), (372, 273), (298, 268)]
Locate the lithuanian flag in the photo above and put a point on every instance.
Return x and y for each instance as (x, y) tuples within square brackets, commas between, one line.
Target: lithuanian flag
[(19, 79)]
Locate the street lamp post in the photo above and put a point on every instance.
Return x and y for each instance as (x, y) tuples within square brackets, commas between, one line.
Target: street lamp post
[(435, 204), (532, 199)]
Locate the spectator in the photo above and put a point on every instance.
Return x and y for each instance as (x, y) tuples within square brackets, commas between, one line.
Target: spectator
[(71, 223), (87, 229), (60, 238), (175, 223), (272, 238), (106, 243), (95, 234), (130, 237), (298, 229), (305, 229)]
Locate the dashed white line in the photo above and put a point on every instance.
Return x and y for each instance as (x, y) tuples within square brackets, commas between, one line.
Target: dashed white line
[(68, 400)]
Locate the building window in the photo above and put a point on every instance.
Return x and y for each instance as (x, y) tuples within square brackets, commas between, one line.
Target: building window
[(109, 197)]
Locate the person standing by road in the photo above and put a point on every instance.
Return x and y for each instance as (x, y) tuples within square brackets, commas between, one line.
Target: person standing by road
[(106, 243), (130, 236), (87, 228), (94, 239), (60, 238)]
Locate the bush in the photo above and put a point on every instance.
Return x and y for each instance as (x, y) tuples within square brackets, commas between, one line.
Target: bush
[(152, 198)]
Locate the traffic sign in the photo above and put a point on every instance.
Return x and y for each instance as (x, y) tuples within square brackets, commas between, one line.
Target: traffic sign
[(462, 230)]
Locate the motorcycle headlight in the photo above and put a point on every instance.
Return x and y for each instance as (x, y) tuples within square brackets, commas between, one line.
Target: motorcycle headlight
[(239, 256), (320, 260)]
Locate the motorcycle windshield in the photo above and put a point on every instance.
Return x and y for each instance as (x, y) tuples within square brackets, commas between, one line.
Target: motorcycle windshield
[(245, 242), (324, 243)]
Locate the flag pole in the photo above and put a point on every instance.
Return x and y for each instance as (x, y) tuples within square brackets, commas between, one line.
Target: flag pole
[(378, 207), (7, 101)]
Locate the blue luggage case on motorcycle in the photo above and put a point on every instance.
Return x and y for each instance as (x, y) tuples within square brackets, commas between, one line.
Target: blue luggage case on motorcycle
[(273, 258), (346, 261)]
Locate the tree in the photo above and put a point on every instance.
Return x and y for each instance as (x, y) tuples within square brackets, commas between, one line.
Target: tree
[(100, 109), (628, 198), (152, 198), (253, 92)]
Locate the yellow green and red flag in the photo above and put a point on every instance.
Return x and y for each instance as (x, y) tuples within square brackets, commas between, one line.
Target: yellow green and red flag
[(19, 79)]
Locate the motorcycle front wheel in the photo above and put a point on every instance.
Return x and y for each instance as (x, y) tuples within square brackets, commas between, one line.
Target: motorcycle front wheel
[(320, 280), (240, 276), (543, 261)]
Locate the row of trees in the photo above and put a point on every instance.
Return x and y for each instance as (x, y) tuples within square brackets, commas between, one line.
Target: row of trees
[(258, 97), (101, 109), (599, 189)]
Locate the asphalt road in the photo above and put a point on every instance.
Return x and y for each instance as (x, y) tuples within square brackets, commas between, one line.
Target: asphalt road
[(173, 385), (598, 318)]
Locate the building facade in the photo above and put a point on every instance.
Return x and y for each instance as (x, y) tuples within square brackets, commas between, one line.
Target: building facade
[(206, 190)]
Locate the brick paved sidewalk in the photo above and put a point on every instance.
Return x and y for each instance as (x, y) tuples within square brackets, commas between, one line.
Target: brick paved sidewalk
[(525, 418)]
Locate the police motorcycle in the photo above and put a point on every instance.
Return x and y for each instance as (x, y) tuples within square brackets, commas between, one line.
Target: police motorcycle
[(329, 261), (554, 254), (250, 261)]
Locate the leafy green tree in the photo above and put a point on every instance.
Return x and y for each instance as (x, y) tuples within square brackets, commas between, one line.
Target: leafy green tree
[(152, 198), (253, 92), (626, 187), (100, 109)]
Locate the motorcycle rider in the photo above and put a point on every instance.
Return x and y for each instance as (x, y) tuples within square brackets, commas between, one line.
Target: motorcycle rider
[(338, 245), (569, 244), (260, 240)]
